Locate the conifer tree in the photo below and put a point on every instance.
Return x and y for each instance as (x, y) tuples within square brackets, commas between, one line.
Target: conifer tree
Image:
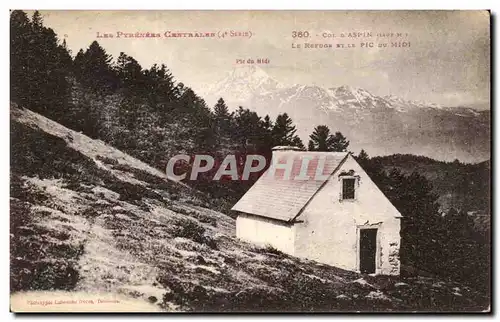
[(220, 109), (297, 142), (283, 131), (321, 139), (362, 156), (37, 21), (129, 71), (95, 70), (222, 118), (39, 66), (339, 143), (267, 124)]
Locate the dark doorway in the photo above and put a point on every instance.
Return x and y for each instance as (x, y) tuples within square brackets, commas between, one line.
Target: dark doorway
[(367, 250)]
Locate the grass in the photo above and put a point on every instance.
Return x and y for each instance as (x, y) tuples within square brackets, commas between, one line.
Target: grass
[(41, 259)]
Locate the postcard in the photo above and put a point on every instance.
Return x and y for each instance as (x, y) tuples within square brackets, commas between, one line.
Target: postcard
[(250, 161)]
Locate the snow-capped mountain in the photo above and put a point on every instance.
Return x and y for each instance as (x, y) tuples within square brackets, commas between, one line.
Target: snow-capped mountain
[(240, 84), (380, 125)]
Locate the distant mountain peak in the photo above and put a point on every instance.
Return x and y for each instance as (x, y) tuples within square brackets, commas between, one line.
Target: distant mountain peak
[(355, 97), (245, 71), (241, 83), (378, 124), (244, 84), (399, 103), (345, 88)]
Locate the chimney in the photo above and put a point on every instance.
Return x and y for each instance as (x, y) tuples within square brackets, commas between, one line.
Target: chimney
[(285, 148)]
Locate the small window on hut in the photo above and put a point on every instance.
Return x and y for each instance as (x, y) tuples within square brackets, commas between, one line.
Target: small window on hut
[(348, 188)]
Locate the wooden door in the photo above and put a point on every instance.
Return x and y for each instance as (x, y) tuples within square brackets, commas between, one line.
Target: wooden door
[(367, 250)]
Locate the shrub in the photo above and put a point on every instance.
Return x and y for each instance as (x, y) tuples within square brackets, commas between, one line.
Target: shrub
[(191, 230), (272, 250), (201, 217), (107, 160)]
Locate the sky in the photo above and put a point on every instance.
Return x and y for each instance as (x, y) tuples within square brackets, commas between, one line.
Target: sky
[(447, 61)]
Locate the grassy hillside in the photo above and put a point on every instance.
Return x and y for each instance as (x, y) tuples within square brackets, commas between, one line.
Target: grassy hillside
[(86, 217)]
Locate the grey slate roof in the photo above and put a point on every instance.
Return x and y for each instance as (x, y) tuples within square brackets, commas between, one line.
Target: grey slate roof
[(282, 199)]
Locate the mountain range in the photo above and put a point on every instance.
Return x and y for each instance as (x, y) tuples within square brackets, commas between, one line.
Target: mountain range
[(381, 125)]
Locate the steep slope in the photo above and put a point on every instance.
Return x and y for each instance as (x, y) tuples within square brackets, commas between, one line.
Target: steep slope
[(380, 125), (87, 219)]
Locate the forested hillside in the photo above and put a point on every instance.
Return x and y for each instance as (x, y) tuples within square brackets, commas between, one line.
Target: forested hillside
[(458, 185), (143, 111)]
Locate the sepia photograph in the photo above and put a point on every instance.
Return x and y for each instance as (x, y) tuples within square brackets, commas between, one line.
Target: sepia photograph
[(283, 161)]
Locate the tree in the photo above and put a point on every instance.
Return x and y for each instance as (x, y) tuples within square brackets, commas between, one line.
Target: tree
[(297, 142), (265, 139), (362, 157), (220, 109), (20, 63), (181, 89), (283, 132), (65, 56), (267, 124), (222, 118), (39, 66), (37, 21), (310, 146), (129, 71), (160, 85), (201, 119), (248, 125), (339, 143), (93, 68), (321, 139)]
